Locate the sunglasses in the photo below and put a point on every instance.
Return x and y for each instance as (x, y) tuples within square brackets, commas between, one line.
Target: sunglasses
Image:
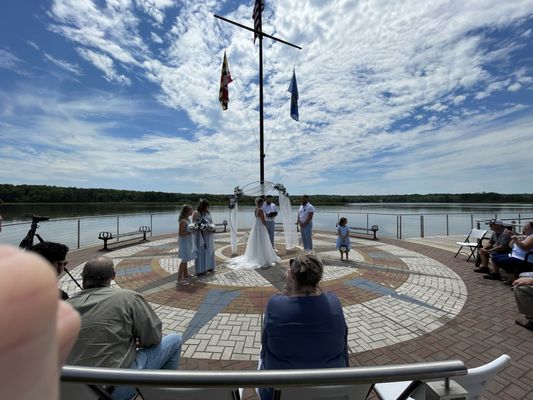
[(62, 263)]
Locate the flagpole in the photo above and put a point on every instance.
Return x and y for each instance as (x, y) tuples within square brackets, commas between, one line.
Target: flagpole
[(261, 115), (258, 31)]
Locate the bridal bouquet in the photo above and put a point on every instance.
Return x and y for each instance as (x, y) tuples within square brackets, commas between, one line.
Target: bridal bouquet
[(202, 225)]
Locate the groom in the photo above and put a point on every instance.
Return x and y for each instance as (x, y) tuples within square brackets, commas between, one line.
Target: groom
[(270, 211), (305, 220)]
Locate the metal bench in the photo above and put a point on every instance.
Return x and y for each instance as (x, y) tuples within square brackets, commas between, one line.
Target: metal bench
[(222, 225), (367, 230), (106, 236)]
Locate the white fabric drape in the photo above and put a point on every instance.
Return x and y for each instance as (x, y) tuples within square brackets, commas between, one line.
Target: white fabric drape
[(289, 224), (233, 213), (256, 189)]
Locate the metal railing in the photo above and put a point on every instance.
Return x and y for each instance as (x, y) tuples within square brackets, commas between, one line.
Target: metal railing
[(265, 378), (82, 232)]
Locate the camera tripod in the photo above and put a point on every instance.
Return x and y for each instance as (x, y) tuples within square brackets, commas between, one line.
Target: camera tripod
[(27, 242)]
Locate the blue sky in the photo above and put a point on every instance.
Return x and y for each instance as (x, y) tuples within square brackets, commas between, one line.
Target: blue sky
[(395, 96)]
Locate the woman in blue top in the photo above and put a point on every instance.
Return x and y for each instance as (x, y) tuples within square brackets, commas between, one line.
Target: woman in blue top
[(343, 239), (304, 327)]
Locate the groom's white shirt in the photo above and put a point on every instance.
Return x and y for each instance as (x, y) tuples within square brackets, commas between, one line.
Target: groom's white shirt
[(269, 208), (304, 211)]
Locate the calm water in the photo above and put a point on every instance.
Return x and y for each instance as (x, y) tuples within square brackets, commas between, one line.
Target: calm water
[(79, 224), (23, 212)]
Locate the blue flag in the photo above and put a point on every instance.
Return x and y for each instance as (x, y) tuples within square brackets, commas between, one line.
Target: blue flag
[(293, 88)]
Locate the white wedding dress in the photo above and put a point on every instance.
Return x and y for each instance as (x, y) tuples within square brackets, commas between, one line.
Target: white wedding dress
[(259, 251)]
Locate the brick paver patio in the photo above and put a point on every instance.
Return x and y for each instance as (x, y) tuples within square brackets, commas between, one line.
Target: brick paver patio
[(403, 301)]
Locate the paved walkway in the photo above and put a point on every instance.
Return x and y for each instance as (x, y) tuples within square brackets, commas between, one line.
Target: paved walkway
[(404, 301)]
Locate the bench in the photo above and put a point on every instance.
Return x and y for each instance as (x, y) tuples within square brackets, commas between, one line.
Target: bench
[(222, 225), (367, 230), (106, 236)]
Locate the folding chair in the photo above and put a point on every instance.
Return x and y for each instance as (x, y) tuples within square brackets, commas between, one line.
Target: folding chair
[(472, 242), (475, 382)]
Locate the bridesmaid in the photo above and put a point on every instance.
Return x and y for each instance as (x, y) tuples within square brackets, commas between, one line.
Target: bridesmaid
[(205, 259), (186, 245)]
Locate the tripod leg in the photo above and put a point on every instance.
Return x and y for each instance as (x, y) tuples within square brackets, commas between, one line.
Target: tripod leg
[(71, 277)]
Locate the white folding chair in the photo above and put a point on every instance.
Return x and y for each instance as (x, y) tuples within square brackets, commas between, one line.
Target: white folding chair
[(475, 382), (158, 393), (472, 242), (344, 392)]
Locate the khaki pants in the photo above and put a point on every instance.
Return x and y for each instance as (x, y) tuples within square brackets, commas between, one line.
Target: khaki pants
[(524, 300)]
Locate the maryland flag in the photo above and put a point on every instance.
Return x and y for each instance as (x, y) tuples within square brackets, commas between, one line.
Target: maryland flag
[(225, 79)]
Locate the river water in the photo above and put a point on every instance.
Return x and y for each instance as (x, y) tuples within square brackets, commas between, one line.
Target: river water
[(79, 224)]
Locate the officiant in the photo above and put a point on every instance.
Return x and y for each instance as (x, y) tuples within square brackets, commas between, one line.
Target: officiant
[(271, 212)]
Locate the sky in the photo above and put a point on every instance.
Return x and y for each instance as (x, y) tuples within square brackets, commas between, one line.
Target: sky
[(395, 97)]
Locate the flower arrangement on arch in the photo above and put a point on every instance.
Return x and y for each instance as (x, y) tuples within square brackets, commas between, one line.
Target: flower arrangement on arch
[(281, 188), (238, 192)]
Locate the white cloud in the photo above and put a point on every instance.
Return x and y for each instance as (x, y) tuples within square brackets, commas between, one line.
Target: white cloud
[(8, 60), (514, 87), (105, 64), (73, 68), (155, 8), (383, 90), (156, 38)]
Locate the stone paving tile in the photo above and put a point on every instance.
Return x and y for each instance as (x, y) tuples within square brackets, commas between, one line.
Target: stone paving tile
[(474, 321)]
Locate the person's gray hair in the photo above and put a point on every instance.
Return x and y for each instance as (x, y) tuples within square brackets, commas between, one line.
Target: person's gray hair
[(307, 269), (98, 272)]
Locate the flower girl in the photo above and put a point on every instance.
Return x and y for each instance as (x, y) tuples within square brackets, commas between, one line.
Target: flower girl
[(343, 238)]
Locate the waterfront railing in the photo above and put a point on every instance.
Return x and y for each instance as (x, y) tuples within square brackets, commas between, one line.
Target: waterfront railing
[(82, 232)]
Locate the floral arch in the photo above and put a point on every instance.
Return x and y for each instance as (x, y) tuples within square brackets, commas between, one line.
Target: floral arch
[(260, 189)]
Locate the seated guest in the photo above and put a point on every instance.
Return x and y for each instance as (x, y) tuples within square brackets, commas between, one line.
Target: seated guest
[(523, 292), (498, 244), (56, 254), (304, 327), (514, 263), (119, 329)]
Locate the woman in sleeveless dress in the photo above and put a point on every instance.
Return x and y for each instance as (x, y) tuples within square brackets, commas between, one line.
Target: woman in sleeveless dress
[(186, 246), (205, 257), (259, 251)]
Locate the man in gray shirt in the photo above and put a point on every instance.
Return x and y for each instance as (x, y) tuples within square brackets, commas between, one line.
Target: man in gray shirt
[(498, 244), (119, 329)]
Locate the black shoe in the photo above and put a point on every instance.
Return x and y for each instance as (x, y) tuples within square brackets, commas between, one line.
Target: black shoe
[(484, 270), (526, 323), (493, 276), (507, 283)]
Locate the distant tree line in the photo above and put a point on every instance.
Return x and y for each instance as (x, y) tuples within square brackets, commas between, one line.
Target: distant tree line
[(55, 194)]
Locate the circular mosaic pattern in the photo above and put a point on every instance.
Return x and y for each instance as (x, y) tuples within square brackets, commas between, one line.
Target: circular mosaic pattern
[(389, 294)]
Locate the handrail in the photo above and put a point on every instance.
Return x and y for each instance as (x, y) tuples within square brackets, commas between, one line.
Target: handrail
[(266, 378)]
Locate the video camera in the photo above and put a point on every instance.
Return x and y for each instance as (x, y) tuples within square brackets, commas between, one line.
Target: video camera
[(36, 218), (27, 242)]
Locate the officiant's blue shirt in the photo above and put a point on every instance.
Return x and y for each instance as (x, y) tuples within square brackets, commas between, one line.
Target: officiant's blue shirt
[(303, 332)]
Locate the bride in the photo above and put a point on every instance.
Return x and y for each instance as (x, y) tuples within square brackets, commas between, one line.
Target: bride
[(259, 251)]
